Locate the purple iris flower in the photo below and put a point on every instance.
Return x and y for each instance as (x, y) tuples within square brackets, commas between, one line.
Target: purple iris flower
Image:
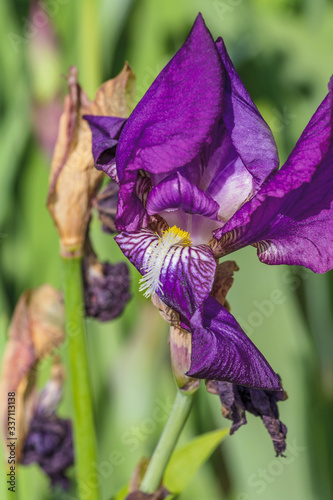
[(197, 168)]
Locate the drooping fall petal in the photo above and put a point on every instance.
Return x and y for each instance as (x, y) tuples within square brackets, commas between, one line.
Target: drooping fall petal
[(222, 351)]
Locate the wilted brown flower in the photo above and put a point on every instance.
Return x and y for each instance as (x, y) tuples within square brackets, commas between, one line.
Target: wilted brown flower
[(73, 179), (37, 328), (49, 440), (106, 286)]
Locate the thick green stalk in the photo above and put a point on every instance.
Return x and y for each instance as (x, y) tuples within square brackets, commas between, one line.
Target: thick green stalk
[(168, 440), (84, 432)]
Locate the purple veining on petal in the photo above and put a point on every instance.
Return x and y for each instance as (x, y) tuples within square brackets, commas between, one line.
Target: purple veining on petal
[(186, 273), (135, 244), (176, 192), (222, 351), (187, 278), (290, 220)]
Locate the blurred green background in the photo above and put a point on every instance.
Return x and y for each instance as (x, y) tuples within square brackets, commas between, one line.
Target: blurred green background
[(283, 50)]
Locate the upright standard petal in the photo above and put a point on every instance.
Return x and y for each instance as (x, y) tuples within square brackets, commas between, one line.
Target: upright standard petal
[(175, 118), (222, 351), (290, 221), (248, 131)]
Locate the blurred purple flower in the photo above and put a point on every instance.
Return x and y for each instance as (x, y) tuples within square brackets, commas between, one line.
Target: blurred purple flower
[(196, 163), (49, 440), (49, 443)]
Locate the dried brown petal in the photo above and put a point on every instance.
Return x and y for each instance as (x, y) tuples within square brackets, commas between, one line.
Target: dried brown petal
[(74, 179), (223, 280), (36, 329), (106, 205), (236, 400)]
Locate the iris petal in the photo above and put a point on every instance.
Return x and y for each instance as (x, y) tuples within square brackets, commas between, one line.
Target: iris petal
[(174, 119), (186, 273), (222, 351), (105, 134), (248, 131), (290, 220), (176, 192)]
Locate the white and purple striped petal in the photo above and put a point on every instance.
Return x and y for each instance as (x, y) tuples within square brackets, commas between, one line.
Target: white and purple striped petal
[(182, 275)]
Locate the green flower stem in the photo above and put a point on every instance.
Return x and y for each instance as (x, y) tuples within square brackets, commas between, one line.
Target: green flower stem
[(89, 45), (84, 432), (179, 414)]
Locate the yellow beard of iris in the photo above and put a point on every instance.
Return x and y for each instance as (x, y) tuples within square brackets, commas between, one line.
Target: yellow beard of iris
[(169, 241)]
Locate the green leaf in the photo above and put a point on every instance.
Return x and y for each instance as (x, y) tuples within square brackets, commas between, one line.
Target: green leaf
[(121, 495), (186, 461)]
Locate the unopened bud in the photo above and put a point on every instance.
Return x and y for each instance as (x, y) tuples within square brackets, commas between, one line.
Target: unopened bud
[(180, 347), (74, 180)]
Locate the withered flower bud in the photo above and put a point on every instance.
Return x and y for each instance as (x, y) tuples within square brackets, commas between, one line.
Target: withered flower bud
[(224, 278), (74, 179), (37, 328), (49, 441), (237, 400), (106, 286)]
